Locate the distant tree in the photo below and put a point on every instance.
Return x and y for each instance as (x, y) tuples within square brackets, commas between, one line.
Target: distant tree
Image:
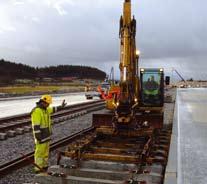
[(11, 71)]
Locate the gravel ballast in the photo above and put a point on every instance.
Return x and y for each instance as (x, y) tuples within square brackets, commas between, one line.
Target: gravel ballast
[(25, 143)]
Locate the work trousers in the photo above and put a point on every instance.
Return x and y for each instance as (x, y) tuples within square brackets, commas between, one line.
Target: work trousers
[(41, 155)]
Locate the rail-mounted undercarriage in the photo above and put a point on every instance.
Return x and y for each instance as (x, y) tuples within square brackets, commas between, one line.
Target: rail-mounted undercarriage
[(109, 154), (102, 156)]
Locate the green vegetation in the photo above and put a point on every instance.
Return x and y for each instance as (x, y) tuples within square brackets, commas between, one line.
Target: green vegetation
[(32, 90)]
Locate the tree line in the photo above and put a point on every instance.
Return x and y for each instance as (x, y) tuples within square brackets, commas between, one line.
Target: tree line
[(10, 71)]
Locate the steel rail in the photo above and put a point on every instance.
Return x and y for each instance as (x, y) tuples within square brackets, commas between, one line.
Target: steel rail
[(29, 157), (27, 115), (15, 123)]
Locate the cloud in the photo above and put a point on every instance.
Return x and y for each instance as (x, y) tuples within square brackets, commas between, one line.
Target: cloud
[(18, 2), (170, 33), (32, 49), (59, 5), (35, 19), (9, 28), (60, 10)]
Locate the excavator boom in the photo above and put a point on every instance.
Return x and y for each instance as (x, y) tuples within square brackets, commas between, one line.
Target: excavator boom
[(128, 57)]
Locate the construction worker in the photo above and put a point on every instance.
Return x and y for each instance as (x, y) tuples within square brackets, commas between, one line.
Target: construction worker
[(41, 124), (151, 84)]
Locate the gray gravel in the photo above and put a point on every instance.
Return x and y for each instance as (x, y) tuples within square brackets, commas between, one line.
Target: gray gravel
[(169, 107), (168, 114), (24, 143)]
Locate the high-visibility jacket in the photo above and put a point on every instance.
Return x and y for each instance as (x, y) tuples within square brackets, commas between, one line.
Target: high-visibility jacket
[(41, 124)]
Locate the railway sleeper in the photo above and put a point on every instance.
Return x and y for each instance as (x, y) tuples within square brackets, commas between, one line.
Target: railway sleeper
[(3, 136), (27, 128), (111, 164), (92, 172), (19, 131), (11, 133)]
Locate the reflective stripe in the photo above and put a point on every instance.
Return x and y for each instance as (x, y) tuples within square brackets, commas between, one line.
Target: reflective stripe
[(37, 131), (46, 139)]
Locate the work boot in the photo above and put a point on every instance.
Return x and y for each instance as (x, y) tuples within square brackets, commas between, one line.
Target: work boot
[(44, 169), (37, 172)]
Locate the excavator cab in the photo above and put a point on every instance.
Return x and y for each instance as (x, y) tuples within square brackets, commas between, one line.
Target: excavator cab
[(152, 87)]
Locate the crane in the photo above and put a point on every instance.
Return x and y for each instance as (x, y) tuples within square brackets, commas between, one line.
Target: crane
[(111, 76), (173, 69)]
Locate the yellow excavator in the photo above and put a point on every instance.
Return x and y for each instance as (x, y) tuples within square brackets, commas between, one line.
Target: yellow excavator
[(140, 102)]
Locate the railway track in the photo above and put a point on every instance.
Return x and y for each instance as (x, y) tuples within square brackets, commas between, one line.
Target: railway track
[(103, 159), (11, 126), (28, 158)]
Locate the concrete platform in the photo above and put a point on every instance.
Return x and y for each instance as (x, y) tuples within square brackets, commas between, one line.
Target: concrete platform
[(187, 162)]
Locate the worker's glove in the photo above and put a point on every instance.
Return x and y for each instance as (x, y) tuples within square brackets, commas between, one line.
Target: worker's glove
[(44, 141), (63, 104)]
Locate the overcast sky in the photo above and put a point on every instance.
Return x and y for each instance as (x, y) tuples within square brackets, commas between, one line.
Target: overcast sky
[(170, 33)]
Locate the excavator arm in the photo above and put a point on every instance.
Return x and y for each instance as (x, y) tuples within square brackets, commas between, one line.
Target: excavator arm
[(129, 82)]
